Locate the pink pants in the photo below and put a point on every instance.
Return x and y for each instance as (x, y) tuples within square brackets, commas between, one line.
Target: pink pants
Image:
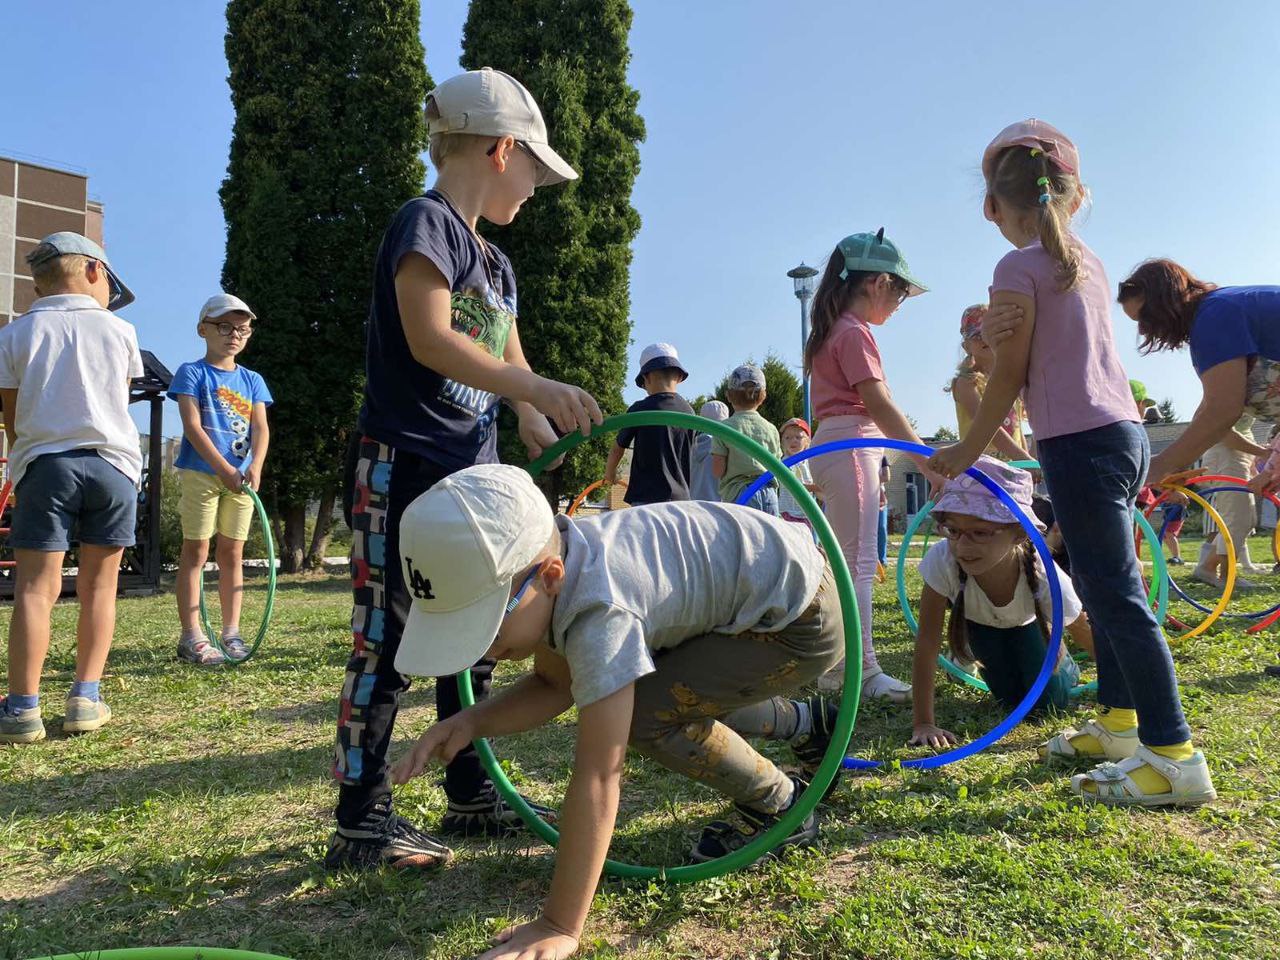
[(850, 481)]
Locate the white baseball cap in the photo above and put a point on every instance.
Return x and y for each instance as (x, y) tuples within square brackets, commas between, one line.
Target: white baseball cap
[(490, 103), (461, 545), (223, 303)]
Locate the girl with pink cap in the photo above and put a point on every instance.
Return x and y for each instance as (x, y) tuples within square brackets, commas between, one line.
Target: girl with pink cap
[(988, 573), (1060, 354)]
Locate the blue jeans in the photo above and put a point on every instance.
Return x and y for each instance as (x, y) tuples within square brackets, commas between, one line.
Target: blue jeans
[(765, 499), (1093, 479), (882, 537)]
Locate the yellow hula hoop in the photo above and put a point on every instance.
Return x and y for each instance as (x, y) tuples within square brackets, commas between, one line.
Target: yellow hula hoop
[(1230, 583)]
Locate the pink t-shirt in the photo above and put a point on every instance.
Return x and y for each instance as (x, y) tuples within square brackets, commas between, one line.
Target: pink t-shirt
[(848, 357), (1075, 381)]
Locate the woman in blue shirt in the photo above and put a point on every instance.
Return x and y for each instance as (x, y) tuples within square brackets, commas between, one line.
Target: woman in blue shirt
[(1234, 337)]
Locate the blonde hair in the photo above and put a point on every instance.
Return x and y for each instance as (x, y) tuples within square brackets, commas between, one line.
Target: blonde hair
[(56, 271), (442, 146), (1023, 179), (749, 395)]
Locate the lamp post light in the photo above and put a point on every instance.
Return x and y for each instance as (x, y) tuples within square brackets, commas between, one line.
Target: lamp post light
[(802, 276)]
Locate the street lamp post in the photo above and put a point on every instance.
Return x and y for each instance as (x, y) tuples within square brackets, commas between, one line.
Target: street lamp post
[(802, 276)]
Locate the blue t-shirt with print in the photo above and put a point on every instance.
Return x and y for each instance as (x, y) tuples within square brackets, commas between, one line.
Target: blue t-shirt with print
[(226, 399), (410, 406), (1236, 322)]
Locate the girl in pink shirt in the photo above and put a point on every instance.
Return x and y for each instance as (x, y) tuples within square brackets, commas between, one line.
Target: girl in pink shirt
[(865, 282), (1060, 354)]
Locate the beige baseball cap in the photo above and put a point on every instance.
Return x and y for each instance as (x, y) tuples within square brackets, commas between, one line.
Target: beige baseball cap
[(490, 103), (462, 543)]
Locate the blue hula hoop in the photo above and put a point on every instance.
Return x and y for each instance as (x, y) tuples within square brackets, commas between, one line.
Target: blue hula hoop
[(1228, 488), (1055, 596)]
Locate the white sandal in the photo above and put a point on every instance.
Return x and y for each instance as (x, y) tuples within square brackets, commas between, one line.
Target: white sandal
[(1115, 746), (1189, 780)]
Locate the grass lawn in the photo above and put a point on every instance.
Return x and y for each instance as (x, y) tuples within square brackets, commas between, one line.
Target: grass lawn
[(200, 814)]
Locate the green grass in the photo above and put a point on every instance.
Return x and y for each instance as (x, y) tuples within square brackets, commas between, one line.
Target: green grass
[(200, 814)]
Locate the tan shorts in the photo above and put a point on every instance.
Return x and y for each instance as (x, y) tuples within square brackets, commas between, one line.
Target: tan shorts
[(207, 505)]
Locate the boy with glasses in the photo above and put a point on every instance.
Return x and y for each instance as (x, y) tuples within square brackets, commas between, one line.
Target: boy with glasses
[(224, 445)]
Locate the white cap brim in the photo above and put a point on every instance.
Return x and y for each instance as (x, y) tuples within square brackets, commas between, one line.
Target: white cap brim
[(442, 644), (557, 168)]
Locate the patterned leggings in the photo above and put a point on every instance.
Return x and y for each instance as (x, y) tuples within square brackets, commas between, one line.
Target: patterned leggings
[(383, 482)]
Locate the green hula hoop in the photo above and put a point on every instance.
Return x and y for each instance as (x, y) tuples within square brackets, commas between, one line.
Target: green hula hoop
[(834, 757), (1158, 593), (215, 637), (165, 953)]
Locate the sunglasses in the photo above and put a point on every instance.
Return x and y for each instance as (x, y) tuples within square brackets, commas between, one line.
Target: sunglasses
[(539, 166), (519, 594)]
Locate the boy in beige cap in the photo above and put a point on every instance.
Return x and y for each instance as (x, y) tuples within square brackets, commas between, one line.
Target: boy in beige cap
[(443, 347)]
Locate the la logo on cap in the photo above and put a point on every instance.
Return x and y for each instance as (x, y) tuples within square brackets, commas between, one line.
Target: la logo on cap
[(419, 584)]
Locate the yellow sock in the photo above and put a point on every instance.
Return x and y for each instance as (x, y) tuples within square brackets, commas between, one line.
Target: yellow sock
[(1148, 779), (1113, 719)]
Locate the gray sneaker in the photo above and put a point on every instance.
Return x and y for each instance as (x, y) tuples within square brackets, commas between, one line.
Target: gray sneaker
[(25, 726), (85, 715), (200, 652)]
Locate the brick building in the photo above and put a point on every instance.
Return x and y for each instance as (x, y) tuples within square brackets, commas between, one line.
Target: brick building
[(35, 201)]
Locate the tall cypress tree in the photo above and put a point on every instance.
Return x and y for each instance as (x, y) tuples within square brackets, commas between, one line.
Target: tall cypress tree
[(326, 145), (571, 244)]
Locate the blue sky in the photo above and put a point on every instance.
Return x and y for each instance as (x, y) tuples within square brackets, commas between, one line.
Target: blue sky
[(770, 136)]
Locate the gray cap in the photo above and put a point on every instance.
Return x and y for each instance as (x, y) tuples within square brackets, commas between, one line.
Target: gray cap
[(746, 374), (490, 103), (65, 243), (224, 303)]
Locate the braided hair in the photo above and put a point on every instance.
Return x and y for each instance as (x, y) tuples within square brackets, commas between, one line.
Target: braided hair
[(957, 632)]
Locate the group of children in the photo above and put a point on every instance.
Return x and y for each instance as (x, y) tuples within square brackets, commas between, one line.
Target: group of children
[(682, 627)]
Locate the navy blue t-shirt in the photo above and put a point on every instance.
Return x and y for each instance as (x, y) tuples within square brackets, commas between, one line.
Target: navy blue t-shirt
[(1236, 322), (410, 406), (661, 461)]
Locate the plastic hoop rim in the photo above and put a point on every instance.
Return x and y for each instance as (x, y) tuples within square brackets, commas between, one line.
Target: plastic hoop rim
[(215, 637), (845, 720), (1050, 663)]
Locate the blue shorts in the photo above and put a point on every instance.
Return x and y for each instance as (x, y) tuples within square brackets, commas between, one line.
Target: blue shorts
[(73, 496)]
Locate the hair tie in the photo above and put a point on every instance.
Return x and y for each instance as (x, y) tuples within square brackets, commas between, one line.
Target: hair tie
[(1042, 182), (1035, 152), (1044, 199)]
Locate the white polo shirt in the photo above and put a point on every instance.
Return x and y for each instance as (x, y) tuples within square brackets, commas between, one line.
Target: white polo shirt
[(71, 362)]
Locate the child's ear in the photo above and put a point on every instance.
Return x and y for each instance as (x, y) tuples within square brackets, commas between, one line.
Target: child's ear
[(989, 208), (551, 572)]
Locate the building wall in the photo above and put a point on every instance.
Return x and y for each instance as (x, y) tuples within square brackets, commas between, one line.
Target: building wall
[(36, 201)]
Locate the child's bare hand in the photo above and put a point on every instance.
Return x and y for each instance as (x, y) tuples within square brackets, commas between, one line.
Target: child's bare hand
[(537, 434), (253, 477), (927, 735), (1264, 483), (537, 940), (568, 407), (441, 742), (1000, 322), (951, 461), (232, 479)]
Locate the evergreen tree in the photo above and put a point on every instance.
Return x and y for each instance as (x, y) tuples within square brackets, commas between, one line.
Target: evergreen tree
[(1167, 413), (326, 145), (945, 433), (571, 244)]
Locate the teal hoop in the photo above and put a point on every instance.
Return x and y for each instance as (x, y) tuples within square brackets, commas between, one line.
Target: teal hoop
[(834, 757), (165, 953), (213, 636), (1158, 593)]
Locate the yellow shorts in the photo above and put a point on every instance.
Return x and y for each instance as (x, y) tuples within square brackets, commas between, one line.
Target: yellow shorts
[(207, 505)]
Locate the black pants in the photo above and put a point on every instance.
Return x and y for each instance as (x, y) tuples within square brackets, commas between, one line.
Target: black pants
[(382, 482)]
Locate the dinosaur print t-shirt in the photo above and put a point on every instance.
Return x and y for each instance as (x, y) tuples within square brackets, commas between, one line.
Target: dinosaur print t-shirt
[(409, 405)]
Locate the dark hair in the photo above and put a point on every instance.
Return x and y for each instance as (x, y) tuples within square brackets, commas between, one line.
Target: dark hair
[(1024, 179), (832, 299), (958, 634), (1170, 298)]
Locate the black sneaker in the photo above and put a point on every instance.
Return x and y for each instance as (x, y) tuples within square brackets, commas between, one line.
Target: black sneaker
[(384, 838), (1273, 671), (721, 837), (488, 815), (812, 747)]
